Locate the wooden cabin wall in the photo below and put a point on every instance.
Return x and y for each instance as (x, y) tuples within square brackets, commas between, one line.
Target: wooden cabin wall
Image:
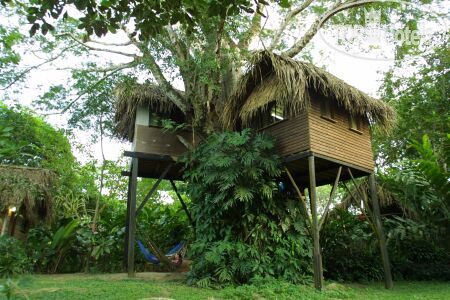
[(154, 140), (336, 140), (292, 135)]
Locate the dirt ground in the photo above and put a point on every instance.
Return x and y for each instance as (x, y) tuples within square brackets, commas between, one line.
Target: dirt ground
[(154, 276)]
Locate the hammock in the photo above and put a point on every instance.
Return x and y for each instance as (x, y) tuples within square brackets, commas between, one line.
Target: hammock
[(158, 257)]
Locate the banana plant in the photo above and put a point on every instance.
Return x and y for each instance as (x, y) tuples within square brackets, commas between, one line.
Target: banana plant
[(61, 240)]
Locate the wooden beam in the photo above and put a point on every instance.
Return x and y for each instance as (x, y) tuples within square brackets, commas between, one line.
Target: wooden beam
[(153, 189), (297, 156), (381, 238), (127, 222), (183, 204), (360, 193), (317, 259), (342, 163), (333, 191), (132, 218), (302, 199), (318, 173), (148, 156)]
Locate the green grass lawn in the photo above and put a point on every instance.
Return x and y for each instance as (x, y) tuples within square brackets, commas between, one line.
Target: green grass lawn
[(158, 286)]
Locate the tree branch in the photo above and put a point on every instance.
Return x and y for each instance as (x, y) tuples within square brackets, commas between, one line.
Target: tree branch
[(95, 48), (219, 36), (21, 74), (289, 17), (87, 90), (128, 43), (179, 46), (173, 94), (254, 28), (103, 70), (308, 36), (156, 71)]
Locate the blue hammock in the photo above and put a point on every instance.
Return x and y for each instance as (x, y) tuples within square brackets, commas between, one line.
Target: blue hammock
[(152, 258)]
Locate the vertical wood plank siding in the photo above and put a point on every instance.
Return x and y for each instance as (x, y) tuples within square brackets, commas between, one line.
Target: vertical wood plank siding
[(336, 140), (291, 135)]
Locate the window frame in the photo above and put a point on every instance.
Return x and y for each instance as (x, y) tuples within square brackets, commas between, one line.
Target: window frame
[(326, 110), (355, 123)]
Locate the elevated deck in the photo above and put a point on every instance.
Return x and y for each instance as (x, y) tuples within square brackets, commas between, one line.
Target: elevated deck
[(156, 149)]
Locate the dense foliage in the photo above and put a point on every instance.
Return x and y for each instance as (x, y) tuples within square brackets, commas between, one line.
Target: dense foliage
[(245, 228), (421, 101), (13, 260), (30, 141), (69, 242), (350, 249), (414, 158)]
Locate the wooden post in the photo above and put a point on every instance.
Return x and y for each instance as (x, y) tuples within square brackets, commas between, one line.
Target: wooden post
[(191, 221), (127, 222), (317, 259), (132, 217), (5, 224), (381, 239)]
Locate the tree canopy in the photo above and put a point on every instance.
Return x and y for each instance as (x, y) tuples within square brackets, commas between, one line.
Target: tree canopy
[(195, 51), (27, 140)]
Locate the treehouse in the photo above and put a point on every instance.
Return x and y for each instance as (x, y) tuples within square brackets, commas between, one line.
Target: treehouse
[(141, 113), (321, 126), (309, 112), (142, 110), (322, 130)]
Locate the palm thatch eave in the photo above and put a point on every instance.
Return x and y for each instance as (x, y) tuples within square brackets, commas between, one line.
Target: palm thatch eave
[(273, 78), (28, 189), (129, 96)]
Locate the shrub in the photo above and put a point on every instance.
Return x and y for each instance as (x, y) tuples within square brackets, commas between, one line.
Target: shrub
[(350, 249), (245, 227), (415, 250), (13, 260)]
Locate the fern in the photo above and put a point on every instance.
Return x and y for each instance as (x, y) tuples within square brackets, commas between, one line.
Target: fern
[(242, 219)]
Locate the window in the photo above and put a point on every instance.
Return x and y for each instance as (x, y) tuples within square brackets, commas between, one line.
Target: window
[(354, 123), (326, 110), (276, 114)]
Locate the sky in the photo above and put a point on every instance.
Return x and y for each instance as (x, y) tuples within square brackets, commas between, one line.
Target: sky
[(362, 72)]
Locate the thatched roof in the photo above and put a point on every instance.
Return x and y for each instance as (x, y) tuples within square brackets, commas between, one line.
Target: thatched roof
[(389, 204), (282, 80), (131, 95), (28, 189)]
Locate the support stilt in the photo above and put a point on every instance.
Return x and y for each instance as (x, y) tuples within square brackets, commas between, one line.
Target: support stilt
[(191, 221), (153, 189), (381, 238), (317, 259), (127, 223), (132, 217)]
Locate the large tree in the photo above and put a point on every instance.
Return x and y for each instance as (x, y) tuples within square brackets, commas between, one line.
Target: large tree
[(200, 46), (421, 101)]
